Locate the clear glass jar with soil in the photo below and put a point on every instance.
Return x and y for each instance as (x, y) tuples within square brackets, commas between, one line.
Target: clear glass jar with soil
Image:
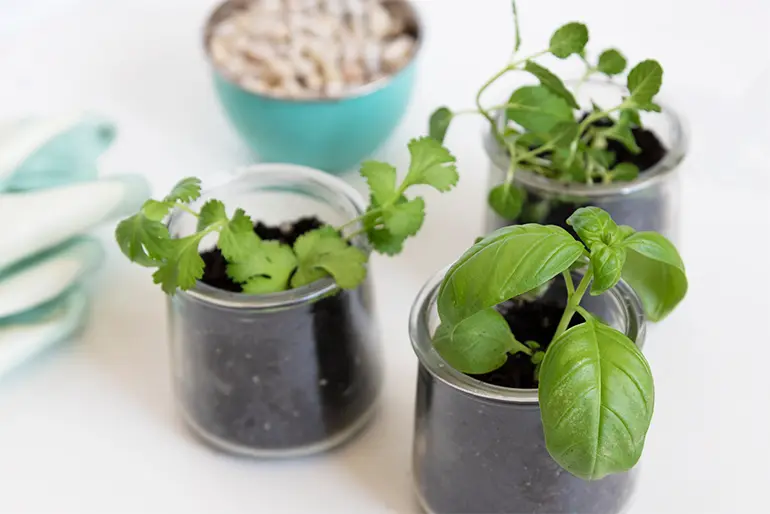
[(478, 440), (650, 202), (280, 374)]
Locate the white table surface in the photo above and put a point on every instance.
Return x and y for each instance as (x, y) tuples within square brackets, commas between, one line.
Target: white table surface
[(90, 427)]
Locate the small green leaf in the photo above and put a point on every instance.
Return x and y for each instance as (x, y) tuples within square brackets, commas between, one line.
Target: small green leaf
[(625, 231), (237, 239), (573, 167), (144, 241), (439, 123), (478, 344), (603, 158), (266, 267), (537, 109), (607, 263), (611, 62), (630, 117), (385, 242), (552, 82), (431, 164), (212, 212), (185, 191), (569, 39), (404, 219), (324, 252), (650, 106), (564, 133), (625, 172), (656, 272), (155, 210), (505, 264), (593, 225), (381, 178), (507, 200), (622, 133), (182, 268), (596, 401), (644, 81)]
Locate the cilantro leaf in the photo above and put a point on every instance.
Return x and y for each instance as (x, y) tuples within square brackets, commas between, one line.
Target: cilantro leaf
[(155, 210), (182, 267), (611, 62), (568, 39), (405, 218), (537, 109), (439, 123), (186, 190), (381, 178), (265, 266), (431, 165), (644, 81), (144, 241), (552, 82), (323, 252), (212, 212), (237, 239), (385, 242)]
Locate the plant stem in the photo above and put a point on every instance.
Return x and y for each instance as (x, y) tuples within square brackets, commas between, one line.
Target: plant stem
[(185, 208), (568, 281), (573, 302)]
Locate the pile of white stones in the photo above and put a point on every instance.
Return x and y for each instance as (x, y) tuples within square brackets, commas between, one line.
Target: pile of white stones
[(311, 48)]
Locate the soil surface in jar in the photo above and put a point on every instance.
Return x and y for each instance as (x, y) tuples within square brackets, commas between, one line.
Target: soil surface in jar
[(279, 380), (475, 456), (643, 210)]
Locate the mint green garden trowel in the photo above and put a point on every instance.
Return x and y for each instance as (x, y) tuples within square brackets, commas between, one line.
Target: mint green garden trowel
[(51, 189)]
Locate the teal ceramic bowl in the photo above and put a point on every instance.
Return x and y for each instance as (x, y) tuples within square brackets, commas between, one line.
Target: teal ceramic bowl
[(331, 134)]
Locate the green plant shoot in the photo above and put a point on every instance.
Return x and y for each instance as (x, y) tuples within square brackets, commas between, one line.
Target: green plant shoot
[(543, 128), (268, 266), (595, 386)]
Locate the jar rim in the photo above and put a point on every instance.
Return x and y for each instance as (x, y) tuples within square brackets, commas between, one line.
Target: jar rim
[(658, 173), (224, 9), (283, 299), (422, 343)]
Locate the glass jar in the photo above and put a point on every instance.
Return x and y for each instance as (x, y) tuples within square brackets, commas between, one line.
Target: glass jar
[(480, 448), (281, 374), (651, 202)]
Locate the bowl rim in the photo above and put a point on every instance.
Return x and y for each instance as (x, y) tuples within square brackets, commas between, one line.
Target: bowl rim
[(224, 8)]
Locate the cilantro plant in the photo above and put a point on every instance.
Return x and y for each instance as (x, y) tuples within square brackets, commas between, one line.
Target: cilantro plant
[(543, 128), (268, 266), (595, 386)]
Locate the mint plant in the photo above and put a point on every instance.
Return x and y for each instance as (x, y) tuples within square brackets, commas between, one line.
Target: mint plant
[(543, 129), (595, 386), (269, 266)]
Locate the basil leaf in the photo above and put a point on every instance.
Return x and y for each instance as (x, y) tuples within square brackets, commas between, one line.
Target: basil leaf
[(607, 263), (655, 271), (439, 123), (564, 133), (596, 400), (568, 39), (622, 133), (552, 82), (611, 62), (533, 255), (625, 172), (644, 81), (478, 344), (537, 109), (507, 200), (593, 225)]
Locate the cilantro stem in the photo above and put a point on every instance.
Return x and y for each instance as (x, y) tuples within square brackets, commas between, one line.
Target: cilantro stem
[(185, 208), (573, 302)]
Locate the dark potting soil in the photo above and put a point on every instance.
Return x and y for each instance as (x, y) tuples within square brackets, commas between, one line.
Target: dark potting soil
[(278, 380), (474, 455), (647, 209), (529, 321)]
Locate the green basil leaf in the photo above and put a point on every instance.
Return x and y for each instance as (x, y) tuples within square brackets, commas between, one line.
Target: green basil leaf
[(478, 344), (656, 272), (603, 158), (506, 263), (593, 225), (644, 81), (568, 39), (552, 82), (607, 263), (507, 200), (537, 109), (622, 133), (574, 167), (630, 117), (625, 172), (611, 62), (596, 400), (439, 123), (564, 133), (625, 231)]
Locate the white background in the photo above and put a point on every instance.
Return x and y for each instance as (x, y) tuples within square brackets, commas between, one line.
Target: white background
[(91, 428)]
